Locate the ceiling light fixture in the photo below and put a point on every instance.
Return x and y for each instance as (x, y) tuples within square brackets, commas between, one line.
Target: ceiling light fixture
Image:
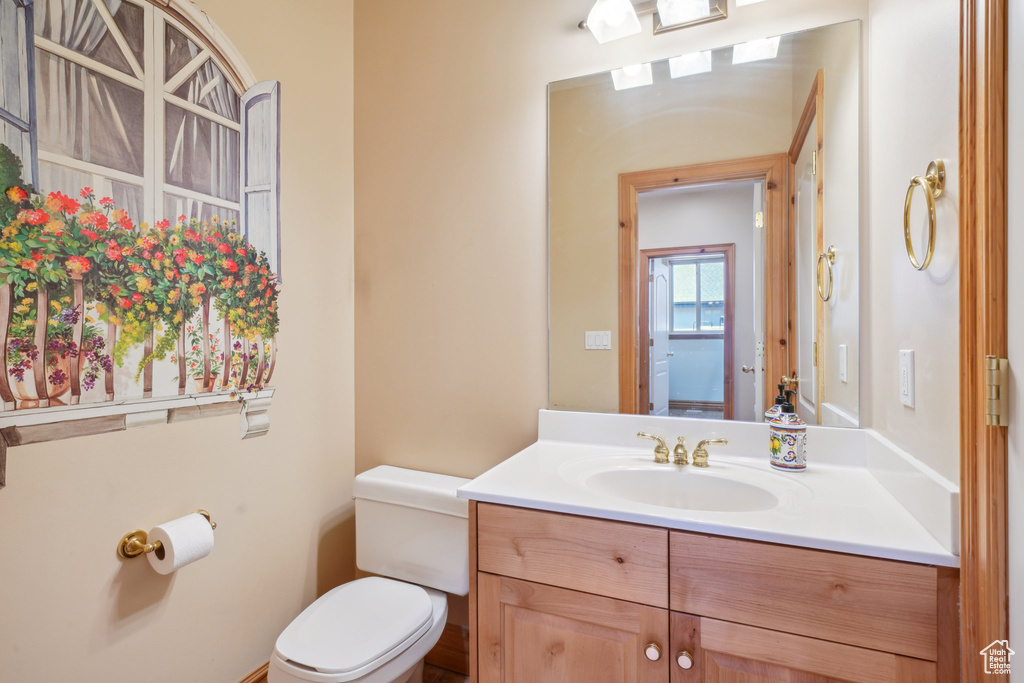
[(755, 50), (611, 20), (675, 12), (632, 76), (690, 64)]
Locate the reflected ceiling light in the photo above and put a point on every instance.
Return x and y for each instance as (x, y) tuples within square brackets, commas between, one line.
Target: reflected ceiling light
[(612, 19), (672, 12), (766, 48), (741, 3), (632, 76), (688, 65)]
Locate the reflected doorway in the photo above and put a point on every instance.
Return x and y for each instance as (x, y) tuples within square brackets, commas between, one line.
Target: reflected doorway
[(690, 317)]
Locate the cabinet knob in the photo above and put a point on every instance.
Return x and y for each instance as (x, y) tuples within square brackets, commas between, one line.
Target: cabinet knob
[(685, 660), (653, 652)]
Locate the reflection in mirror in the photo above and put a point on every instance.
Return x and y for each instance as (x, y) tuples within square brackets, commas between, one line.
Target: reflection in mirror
[(705, 218)]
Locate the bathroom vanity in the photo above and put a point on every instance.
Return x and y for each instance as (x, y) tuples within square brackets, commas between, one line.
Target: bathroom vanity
[(818, 576)]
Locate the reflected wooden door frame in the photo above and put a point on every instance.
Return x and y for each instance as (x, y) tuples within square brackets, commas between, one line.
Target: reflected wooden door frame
[(772, 171), (814, 110), (728, 379), (984, 600)]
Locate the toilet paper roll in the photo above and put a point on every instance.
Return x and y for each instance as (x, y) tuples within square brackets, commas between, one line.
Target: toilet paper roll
[(183, 541)]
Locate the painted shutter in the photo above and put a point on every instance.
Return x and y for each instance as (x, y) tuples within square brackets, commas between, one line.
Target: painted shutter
[(17, 83), (261, 170)]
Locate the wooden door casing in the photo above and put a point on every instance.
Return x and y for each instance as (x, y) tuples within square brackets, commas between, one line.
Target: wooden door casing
[(534, 633)]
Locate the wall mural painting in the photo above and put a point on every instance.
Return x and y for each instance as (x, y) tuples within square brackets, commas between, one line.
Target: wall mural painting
[(139, 223)]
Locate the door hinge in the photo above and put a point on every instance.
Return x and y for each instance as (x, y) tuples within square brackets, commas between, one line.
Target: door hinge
[(652, 341), (759, 219), (650, 406), (997, 373), (650, 278), (814, 162)]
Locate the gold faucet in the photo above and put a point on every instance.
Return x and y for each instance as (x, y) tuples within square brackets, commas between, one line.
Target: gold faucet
[(660, 450), (700, 454), (681, 457)]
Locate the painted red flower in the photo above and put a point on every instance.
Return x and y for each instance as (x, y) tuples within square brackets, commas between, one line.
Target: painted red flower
[(106, 202), (78, 265), (224, 248), (196, 257), (230, 265), (137, 297), (113, 253), (37, 256), (135, 268), (163, 224), (17, 195), (86, 192), (33, 216), (180, 256), (90, 234), (125, 303)]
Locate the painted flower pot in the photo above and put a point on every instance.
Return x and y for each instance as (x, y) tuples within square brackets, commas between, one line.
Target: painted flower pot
[(205, 388), (25, 391)]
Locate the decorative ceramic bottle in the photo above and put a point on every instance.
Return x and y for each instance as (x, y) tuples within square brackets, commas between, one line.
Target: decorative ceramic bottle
[(777, 408), (788, 434)]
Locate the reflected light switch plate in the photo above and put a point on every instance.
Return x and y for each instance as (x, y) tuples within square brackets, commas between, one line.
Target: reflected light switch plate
[(907, 377), (598, 341), (842, 363)]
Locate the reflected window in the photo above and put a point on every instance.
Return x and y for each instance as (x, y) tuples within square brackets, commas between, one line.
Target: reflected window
[(698, 294)]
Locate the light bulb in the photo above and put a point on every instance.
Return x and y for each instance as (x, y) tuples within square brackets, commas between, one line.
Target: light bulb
[(612, 19)]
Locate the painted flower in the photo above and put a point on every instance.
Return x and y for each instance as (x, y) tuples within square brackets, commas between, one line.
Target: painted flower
[(33, 216), (224, 248), (106, 202), (163, 224), (60, 202), (125, 303), (196, 257), (28, 264), (113, 253), (17, 195), (230, 265), (86, 192), (137, 297), (78, 265)]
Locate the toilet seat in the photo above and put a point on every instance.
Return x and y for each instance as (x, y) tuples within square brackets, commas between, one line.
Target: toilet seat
[(355, 629)]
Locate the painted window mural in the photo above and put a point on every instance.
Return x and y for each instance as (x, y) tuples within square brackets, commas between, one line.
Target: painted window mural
[(139, 185)]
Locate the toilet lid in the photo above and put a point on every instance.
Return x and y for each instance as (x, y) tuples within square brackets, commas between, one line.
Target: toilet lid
[(358, 624)]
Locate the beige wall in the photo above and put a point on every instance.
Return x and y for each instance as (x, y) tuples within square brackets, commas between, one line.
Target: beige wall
[(912, 119), (598, 133), (71, 610), (835, 50)]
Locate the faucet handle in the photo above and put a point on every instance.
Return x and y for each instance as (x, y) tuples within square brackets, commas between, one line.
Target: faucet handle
[(681, 457), (700, 454), (661, 452)]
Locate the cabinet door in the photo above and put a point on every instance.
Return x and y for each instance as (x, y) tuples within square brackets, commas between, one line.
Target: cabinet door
[(532, 633), (723, 652)]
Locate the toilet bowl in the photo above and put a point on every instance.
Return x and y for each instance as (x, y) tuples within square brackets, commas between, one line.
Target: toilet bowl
[(413, 532)]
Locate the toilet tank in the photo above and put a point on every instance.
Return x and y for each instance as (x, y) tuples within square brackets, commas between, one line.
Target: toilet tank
[(411, 527)]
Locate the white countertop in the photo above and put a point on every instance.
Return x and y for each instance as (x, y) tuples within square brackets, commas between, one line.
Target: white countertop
[(831, 506)]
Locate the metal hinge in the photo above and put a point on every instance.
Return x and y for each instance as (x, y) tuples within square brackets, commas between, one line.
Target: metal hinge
[(759, 219), (814, 162), (650, 406), (997, 374), (652, 341), (650, 278)]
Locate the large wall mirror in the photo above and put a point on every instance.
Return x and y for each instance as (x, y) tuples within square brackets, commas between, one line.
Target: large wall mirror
[(704, 232)]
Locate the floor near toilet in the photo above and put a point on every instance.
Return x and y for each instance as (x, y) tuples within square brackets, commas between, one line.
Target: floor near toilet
[(432, 674)]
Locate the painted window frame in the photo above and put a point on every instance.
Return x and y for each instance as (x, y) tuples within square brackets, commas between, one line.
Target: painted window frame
[(697, 332), (27, 74)]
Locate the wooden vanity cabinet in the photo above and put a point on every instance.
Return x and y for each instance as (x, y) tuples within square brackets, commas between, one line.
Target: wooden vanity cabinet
[(558, 598)]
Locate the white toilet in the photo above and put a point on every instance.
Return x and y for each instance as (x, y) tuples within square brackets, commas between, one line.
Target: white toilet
[(410, 527)]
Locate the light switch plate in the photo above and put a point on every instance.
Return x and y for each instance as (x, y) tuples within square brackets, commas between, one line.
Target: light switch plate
[(907, 377), (842, 363), (598, 340)]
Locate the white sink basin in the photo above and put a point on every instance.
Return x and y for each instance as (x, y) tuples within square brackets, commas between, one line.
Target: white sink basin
[(726, 486)]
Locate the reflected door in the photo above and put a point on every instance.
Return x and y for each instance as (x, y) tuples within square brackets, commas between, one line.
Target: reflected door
[(659, 330), (807, 249)]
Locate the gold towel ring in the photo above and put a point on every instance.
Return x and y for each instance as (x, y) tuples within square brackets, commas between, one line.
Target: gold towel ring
[(932, 182), (829, 258)]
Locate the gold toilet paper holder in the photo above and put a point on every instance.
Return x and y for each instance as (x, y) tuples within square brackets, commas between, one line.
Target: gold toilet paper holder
[(134, 543)]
